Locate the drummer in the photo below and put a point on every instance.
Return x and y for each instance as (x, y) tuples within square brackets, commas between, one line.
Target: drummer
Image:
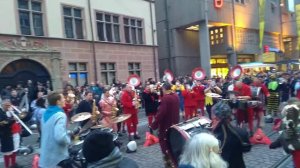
[(108, 105), (243, 92), (259, 110)]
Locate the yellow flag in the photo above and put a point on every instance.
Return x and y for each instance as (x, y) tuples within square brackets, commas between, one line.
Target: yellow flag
[(262, 6), (298, 24)]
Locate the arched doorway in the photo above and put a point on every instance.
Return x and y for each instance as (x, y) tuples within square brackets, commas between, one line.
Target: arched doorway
[(19, 71)]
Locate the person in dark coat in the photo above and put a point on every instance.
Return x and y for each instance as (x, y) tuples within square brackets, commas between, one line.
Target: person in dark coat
[(86, 105), (167, 115), (150, 98), (231, 137), (99, 150)]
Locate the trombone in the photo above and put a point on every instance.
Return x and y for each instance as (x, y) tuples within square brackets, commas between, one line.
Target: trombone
[(18, 119)]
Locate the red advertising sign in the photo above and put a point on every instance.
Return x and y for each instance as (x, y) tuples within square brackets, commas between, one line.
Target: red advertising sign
[(218, 3)]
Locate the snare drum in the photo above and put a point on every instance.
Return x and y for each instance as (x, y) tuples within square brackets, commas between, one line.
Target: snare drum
[(240, 104), (254, 103), (178, 134)]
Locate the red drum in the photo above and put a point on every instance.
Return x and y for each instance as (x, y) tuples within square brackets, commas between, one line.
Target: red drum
[(177, 135)]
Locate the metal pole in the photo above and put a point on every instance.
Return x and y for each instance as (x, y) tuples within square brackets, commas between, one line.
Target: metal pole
[(153, 38), (233, 32), (93, 42), (168, 35)]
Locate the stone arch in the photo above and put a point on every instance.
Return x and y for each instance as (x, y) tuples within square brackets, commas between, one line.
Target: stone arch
[(20, 70)]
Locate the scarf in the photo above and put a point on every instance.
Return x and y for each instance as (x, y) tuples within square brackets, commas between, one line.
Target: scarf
[(111, 161), (51, 110)]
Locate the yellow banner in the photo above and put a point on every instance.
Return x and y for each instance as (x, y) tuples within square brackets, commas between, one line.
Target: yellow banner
[(298, 24), (262, 6)]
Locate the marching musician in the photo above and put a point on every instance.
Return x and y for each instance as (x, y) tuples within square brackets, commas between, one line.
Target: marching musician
[(167, 115), (86, 104), (209, 101), (199, 97), (9, 134), (273, 99), (243, 92), (108, 105), (129, 107), (259, 110), (189, 102), (150, 98), (178, 88)]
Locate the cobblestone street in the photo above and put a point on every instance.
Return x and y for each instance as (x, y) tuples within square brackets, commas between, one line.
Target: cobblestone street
[(150, 157)]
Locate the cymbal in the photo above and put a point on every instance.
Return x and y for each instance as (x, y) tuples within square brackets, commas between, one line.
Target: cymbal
[(78, 142), (81, 117), (97, 127), (121, 118), (213, 95)]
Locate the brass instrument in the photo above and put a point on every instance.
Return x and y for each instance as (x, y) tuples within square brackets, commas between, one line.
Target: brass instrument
[(136, 101), (95, 113), (18, 119)]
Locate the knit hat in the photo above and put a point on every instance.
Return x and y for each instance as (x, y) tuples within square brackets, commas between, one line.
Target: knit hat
[(97, 146), (221, 110)]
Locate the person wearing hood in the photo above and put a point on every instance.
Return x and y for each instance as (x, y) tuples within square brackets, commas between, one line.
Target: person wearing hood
[(55, 138), (100, 151), (234, 140)]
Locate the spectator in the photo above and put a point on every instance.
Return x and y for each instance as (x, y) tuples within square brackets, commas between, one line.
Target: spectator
[(202, 151), (99, 150)]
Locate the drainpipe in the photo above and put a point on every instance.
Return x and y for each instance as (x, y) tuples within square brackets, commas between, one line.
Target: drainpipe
[(233, 32), (153, 38), (93, 42), (168, 35)]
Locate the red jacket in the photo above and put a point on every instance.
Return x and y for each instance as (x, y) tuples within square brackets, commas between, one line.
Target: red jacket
[(127, 103), (244, 91), (199, 93), (189, 98)]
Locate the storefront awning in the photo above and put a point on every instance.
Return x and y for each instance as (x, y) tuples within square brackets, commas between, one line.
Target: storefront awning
[(256, 65)]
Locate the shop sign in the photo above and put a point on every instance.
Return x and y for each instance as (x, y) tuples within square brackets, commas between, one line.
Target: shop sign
[(218, 3), (269, 57)]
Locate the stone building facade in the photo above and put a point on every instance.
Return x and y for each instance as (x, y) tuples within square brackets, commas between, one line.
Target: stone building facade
[(79, 41)]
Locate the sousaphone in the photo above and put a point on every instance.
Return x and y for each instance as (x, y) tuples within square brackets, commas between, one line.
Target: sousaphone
[(168, 76), (236, 72), (198, 73), (134, 80)]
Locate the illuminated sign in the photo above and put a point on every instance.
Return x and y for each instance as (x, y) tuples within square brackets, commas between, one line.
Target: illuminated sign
[(218, 3), (291, 5)]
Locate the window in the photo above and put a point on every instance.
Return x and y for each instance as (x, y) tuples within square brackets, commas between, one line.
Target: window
[(134, 68), (73, 22), (133, 30), (240, 1), (216, 36), (30, 17), (108, 27), (78, 74), (108, 73)]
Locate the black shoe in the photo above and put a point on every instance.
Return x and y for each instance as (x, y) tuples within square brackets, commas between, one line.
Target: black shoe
[(136, 137), (151, 130), (251, 133), (130, 138), (120, 134)]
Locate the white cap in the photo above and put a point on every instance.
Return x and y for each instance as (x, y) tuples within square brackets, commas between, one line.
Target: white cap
[(131, 147)]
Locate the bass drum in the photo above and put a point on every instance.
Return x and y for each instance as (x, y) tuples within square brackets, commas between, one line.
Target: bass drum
[(177, 135)]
